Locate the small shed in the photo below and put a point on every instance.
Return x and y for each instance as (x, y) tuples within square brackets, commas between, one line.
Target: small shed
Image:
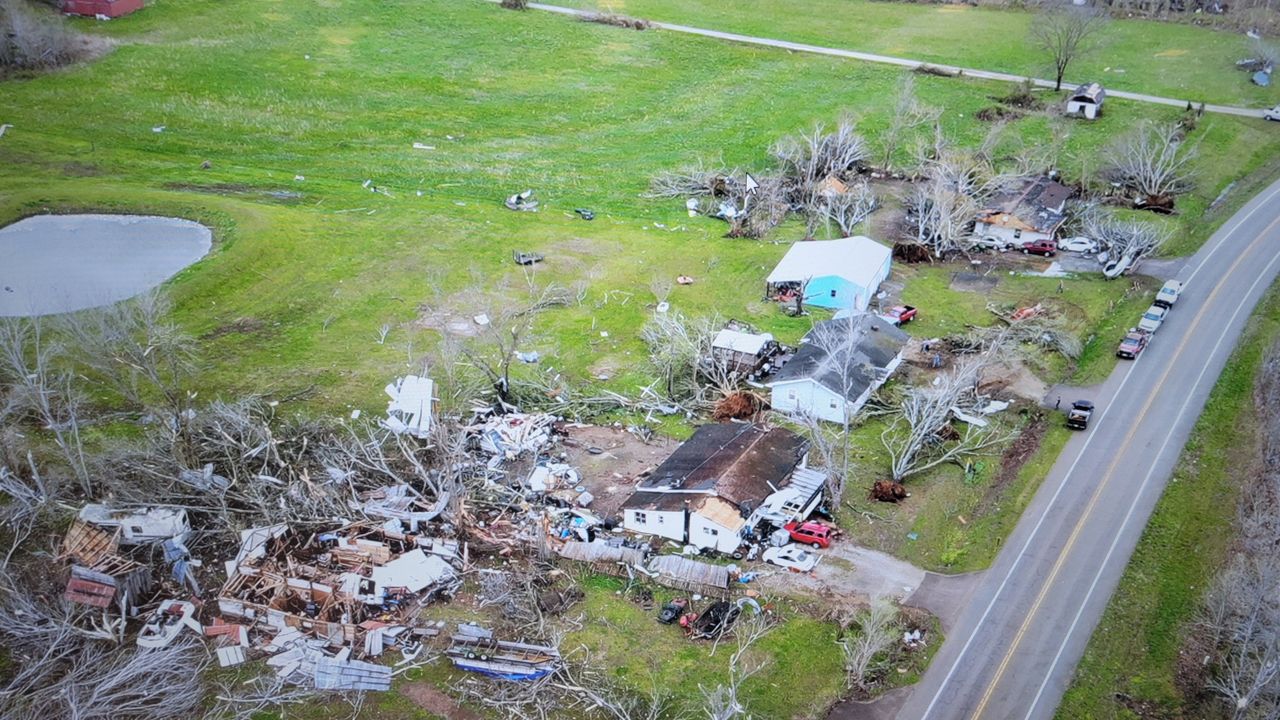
[(837, 274), (101, 8), (1086, 101), (741, 352)]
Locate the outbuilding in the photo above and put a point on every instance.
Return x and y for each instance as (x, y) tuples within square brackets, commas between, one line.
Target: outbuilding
[(1086, 101), (840, 274), (101, 8)]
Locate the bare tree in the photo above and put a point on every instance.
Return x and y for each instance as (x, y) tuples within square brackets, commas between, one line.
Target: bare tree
[(61, 669), (921, 437), (39, 381), (939, 218), (1240, 620), (32, 38), (849, 370), (846, 209), (909, 114), (135, 350), (722, 701), (760, 209), (1153, 161), (808, 158), (508, 327), (680, 350), (1132, 238), (866, 638), (1063, 31)]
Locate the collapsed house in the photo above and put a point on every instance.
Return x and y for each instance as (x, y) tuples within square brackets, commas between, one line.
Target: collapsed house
[(100, 576), (348, 587), (839, 364), (838, 274), (710, 492), (1032, 212)]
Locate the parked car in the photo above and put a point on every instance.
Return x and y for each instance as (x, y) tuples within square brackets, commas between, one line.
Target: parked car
[(899, 314), (991, 242), (1079, 414), (1046, 248), (1272, 113), (1168, 294), (1152, 319), (809, 533), (792, 557), (1131, 345), (1078, 244)]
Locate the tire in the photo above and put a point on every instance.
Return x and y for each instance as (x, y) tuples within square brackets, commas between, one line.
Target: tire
[(737, 555), (1026, 251), (816, 546)]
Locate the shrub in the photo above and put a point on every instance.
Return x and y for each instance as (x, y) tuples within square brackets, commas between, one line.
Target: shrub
[(32, 39)]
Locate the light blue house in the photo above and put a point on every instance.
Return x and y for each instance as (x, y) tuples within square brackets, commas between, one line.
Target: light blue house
[(839, 274)]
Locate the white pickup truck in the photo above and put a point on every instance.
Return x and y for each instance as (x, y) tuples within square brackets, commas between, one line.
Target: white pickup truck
[(1168, 294)]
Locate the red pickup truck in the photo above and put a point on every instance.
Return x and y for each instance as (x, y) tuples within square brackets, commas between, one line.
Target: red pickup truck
[(899, 315)]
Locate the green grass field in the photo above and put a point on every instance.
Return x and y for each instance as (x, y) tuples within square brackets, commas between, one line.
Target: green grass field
[(296, 105), (1136, 649), (338, 93), (1171, 60)]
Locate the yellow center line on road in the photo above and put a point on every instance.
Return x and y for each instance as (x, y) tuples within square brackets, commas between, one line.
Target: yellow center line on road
[(1098, 492)]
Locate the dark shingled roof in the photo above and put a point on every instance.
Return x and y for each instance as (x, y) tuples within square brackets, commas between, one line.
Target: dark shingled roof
[(1092, 92), (1035, 204), (736, 461), (874, 344)]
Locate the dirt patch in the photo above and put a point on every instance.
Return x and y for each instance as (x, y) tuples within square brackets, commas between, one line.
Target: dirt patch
[(433, 700), (998, 113), (235, 189), (1017, 455), (446, 322), (1013, 378), (80, 169), (609, 460), (973, 282), (239, 326)]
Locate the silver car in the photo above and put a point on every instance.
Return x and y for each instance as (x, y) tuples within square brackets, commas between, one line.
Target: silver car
[(1152, 319)]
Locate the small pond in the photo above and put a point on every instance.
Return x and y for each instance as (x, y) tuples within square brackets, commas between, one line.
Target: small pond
[(61, 263)]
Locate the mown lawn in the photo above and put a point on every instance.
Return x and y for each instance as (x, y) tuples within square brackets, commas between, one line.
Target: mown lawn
[(1135, 650), (803, 672), (1167, 59), (305, 271)]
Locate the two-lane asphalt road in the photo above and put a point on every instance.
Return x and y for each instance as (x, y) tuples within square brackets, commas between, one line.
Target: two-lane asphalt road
[(1014, 648)]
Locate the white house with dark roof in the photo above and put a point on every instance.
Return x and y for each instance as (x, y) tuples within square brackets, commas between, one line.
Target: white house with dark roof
[(839, 364), (722, 481)]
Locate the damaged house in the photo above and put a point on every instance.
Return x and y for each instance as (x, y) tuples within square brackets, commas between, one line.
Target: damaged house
[(713, 490), (1029, 213), (839, 364), (345, 586), (100, 576)]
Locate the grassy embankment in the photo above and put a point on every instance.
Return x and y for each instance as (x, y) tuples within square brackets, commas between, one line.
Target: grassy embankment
[(1135, 650)]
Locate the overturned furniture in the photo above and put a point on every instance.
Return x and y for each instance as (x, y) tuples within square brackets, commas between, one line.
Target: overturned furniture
[(474, 649)]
